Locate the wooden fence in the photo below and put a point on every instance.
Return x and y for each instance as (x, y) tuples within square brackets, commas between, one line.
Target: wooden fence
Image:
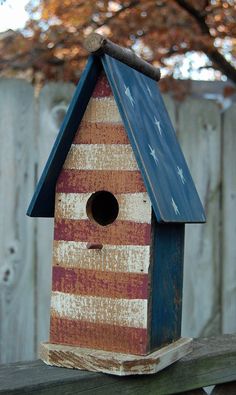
[(28, 126)]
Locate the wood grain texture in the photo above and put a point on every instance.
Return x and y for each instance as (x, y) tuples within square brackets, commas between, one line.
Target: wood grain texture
[(102, 110), (83, 181), (99, 283), (228, 290), (212, 361), (53, 102), (167, 283), (132, 207), (121, 312), (101, 133), (100, 157), (114, 363), (130, 259), (100, 144), (118, 233), (98, 335), (17, 266), (201, 298)]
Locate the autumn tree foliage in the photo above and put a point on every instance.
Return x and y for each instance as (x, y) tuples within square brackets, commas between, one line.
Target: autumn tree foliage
[(161, 31)]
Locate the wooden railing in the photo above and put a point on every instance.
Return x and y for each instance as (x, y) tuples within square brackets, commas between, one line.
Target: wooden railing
[(212, 362)]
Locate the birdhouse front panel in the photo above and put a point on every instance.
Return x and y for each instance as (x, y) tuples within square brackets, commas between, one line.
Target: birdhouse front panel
[(102, 237)]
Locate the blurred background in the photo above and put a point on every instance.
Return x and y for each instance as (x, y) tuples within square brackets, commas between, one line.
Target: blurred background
[(41, 60)]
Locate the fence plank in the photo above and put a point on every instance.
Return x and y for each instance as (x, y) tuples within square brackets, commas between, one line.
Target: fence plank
[(17, 134), (211, 362), (229, 222), (53, 103), (200, 137)]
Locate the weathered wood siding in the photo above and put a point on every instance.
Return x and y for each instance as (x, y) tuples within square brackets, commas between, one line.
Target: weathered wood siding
[(51, 107), (17, 237), (28, 126), (228, 268), (91, 307), (199, 128), (167, 283)]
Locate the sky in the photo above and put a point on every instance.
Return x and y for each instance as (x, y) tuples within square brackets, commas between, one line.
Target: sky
[(12, 14)]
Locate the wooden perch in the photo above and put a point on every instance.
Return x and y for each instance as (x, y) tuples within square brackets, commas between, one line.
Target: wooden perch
[(98, 45)]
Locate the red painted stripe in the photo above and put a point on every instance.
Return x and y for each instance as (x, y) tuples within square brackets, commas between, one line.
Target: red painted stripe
[(98, 336), (118, 233), (100, 283), (82, 181), (102, 88), (101, 133)]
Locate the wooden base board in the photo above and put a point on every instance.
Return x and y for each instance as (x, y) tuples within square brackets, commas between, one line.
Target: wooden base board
[(114, 363)]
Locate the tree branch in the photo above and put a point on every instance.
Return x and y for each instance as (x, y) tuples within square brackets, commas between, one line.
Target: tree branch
[(200, 19), (215, 56)]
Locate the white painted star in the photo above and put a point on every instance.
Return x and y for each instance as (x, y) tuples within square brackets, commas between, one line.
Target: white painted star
[(158, 124), (128, 94), (149, 90), (175, 207), (181, 175), (153, 154)]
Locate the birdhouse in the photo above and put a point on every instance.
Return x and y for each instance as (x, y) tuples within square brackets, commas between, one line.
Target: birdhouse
[(119, 189)]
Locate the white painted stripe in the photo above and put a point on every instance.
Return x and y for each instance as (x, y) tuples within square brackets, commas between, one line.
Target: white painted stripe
[(130, 259), (102, 110), (101, 157), (124, 312), (132, 207)]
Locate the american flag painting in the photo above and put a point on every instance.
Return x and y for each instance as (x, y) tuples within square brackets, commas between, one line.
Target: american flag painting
[(100, 297)]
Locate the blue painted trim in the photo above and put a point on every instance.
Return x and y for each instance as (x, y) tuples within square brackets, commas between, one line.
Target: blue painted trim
[(167, 283), (43, 201)]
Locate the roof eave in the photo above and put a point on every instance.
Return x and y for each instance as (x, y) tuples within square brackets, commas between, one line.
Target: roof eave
[(43, 201)]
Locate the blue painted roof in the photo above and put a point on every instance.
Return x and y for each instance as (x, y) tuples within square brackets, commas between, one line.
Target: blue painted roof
[(165, 172), (160, 159)]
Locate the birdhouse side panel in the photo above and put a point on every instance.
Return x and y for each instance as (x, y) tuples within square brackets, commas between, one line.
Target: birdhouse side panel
[(167, 283), (100, 295)]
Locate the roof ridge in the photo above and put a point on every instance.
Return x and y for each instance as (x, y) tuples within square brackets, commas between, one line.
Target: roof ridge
[(98, 45)]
